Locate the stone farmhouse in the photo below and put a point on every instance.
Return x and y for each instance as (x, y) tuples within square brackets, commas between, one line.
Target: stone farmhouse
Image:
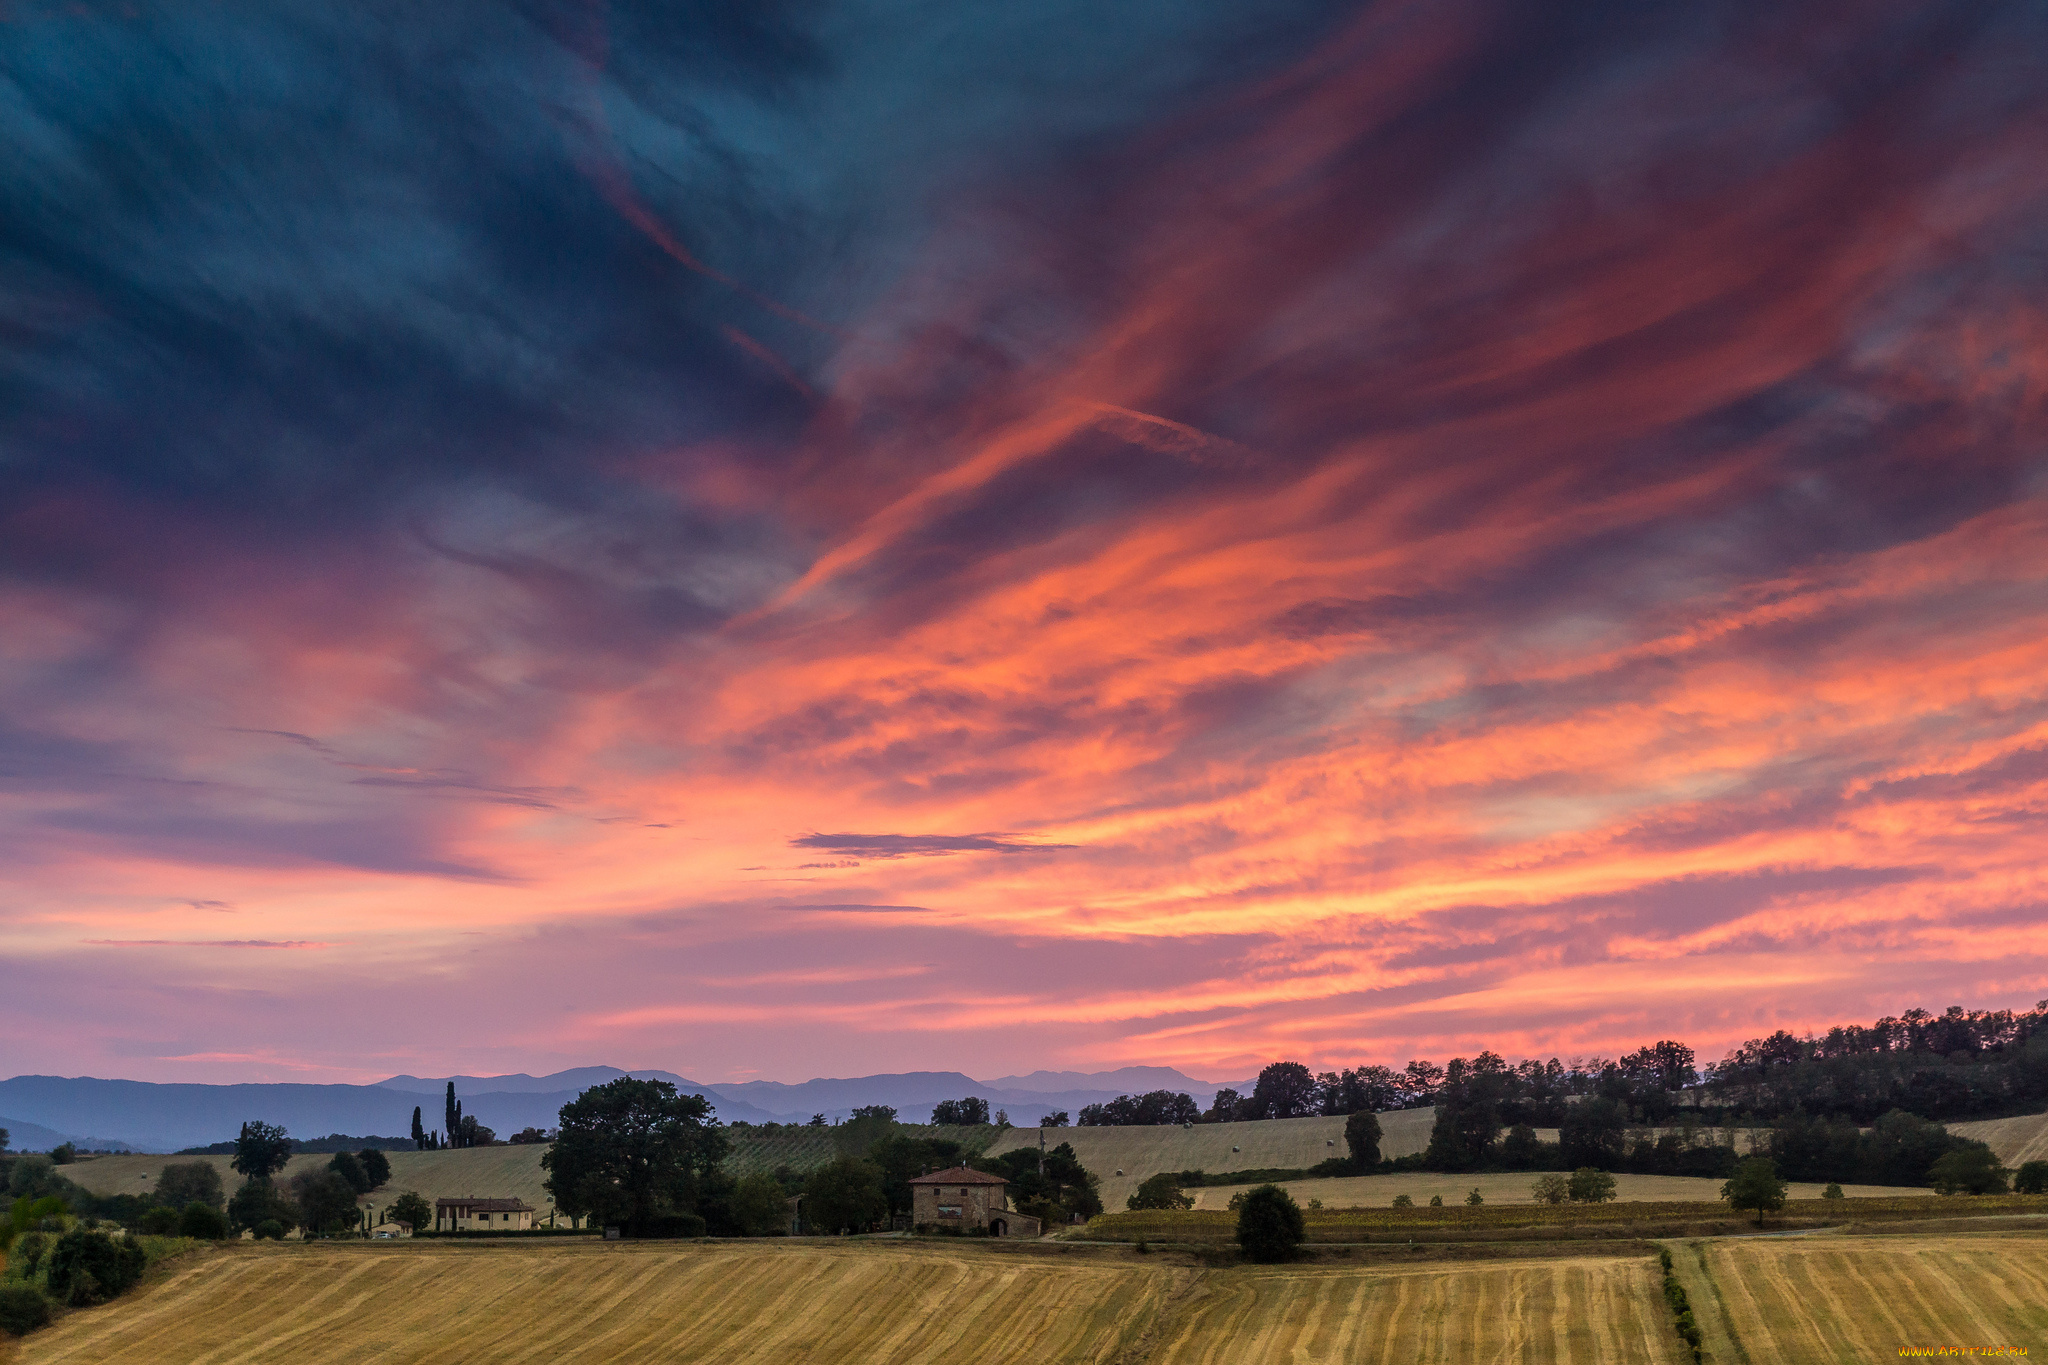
[(469, 1212), (967, 1200)]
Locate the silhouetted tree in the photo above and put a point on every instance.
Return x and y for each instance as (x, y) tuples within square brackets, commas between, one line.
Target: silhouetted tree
[(1362, 1138), (630, 1150), (261, 1150), (1269, 1225)]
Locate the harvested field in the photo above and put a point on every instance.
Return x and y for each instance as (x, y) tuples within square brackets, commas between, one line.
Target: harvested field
[(440, 1304), (1379, 1191), (1857, 1298), (2015, 1140), (437, 1304), (1291, 1144), (1581, 1309), (500, 1172)]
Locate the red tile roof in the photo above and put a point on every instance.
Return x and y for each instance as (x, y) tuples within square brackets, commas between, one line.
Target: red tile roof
[(960, 1175)]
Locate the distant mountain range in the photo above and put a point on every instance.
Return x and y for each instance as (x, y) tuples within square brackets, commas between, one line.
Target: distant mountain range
[(153, 1117)]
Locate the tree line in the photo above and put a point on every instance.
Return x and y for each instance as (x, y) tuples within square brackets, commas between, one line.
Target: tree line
[(638, 1155), (1954, 1065)]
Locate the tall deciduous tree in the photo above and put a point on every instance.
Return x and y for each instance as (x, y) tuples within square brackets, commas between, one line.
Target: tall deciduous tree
[(261, 1150), (413, 1211), (1756, 1186), (186, 1182), (845, 1195), (376, 1166), (1362, 1138), (1284, 1090), (630, 1150)]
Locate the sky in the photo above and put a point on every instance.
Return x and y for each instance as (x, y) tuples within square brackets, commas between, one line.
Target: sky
[(822, 538)]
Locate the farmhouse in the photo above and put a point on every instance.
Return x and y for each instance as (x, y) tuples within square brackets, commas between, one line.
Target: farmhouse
[(469, 1212), (962, 1200)]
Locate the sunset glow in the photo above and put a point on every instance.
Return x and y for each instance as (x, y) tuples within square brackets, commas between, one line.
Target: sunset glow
[(1427, 527)]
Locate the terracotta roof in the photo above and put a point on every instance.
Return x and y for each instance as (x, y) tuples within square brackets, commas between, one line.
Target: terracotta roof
[(485, 1205), (960, 1175)]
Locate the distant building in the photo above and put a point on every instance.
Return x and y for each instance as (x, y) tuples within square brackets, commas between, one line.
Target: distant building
[(469, 1212), (964, 1200)]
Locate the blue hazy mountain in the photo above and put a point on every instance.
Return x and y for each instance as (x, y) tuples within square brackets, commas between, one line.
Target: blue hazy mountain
[(162, 1117)]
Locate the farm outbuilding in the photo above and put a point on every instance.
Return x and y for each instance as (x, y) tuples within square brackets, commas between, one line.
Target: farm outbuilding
[(468, 1213), (965, 1200)]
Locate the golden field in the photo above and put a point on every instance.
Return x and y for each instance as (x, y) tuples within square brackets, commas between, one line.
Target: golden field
[(908, 1304), (1865, 1298), (1821, 1298)]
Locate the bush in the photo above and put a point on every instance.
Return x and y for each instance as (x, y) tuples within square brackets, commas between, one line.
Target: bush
[(158, 1222), (1832, 1192), (31, 1248), (1269, 1225), (1436, 1201), (87, 1266), (1474, 1199), (2031, 1178), (269, 1230), (1550, 1189), (203, 1221), (22, 1309), (1590, 1185), (1402, 1201)]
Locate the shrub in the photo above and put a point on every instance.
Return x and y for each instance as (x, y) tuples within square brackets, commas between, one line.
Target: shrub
[(1436, 1201), (1402, 1201), (87, 1266), (22, 1309), (1832, 1192), (31, 1248), (2032, 1178), (1474, 1199), (1269, 1226), (1550, 1189), (158, 1222), (1590, 1185), (674, 1225), (203, 1221), (269, 1230)]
